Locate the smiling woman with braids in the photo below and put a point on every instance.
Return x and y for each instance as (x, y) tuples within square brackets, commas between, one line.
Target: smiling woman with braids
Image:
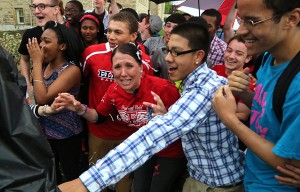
[(127, 97), (56, 69)]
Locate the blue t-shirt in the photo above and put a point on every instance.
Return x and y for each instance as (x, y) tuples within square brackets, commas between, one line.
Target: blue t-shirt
[(259, 176)]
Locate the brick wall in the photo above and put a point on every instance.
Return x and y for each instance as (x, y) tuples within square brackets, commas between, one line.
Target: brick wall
[(9, 18)]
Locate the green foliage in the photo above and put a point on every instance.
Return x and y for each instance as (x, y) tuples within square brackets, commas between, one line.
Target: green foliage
[(10, 40), (168, 8)]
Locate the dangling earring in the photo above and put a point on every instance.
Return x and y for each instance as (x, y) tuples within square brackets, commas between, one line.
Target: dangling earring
[(141, 73)]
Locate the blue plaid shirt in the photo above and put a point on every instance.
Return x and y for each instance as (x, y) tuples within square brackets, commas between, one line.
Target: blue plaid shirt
[(211, 149)]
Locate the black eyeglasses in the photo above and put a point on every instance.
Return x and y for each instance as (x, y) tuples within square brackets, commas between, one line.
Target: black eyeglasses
[(40, 6), (176, 53)]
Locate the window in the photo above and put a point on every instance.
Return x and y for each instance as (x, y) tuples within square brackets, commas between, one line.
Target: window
[(20, 15)]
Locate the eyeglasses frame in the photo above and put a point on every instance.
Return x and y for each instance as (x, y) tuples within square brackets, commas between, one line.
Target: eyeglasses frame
[(178, 53), (34, 6), (254, 23)]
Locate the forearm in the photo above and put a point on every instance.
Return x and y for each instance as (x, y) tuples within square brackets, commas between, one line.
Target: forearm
[(42, 110), (114, 7), (247, 97), (227, 28), (90, 114), (125, 158), (260, 146), (242, 112)]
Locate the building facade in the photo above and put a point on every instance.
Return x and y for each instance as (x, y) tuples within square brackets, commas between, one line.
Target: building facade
[(16, 15)]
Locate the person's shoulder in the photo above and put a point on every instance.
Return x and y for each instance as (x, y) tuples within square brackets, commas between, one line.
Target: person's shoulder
[(218, 67), (158, 82), (36, 28), (33, 31), (221, 42), (145, 57), (70, 66), (102, 47), (89, 11), (162, 86), (152, 39), (141, 46)]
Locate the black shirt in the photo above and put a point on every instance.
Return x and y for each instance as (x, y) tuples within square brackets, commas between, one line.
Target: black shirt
[(29, 33)]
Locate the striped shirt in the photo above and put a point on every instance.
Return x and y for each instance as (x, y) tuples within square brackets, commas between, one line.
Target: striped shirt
[(210, 148)]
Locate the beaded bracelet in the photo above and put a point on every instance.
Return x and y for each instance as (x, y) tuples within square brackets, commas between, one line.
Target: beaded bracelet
[(84, 111), (45, 110)]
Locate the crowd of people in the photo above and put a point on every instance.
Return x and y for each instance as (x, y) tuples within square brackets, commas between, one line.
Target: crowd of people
[(184, 111)]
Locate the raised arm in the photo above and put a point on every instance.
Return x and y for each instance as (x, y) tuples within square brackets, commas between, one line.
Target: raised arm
[(69, 78), (228, 25), (114, 7)]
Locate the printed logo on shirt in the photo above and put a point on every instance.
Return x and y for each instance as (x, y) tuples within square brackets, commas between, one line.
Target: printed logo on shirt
[(134, 116), (106, 75), (257, 114)]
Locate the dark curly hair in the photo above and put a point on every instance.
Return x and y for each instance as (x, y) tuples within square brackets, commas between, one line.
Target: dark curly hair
[(68, 36)]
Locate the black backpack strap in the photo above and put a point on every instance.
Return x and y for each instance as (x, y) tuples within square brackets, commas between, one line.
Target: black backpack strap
[(259, 61), (265, 57), (282, 85)]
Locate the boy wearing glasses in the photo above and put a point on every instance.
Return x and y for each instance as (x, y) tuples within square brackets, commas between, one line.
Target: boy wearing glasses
[(214, 161), (274, 26), (44, 11)]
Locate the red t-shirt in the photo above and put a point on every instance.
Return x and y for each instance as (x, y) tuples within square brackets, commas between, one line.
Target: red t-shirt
[(220, 69), (96, 60), (132, 114)]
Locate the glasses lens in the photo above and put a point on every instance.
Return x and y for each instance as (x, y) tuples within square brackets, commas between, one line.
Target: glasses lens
[(41, 6)]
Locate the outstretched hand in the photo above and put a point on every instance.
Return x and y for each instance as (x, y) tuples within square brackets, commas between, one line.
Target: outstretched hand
[(291, 175), (66, 101), (73, 186), (158, 108)]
